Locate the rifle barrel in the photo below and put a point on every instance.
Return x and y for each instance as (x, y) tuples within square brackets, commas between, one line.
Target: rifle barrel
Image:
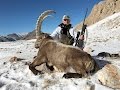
[(85, 16)]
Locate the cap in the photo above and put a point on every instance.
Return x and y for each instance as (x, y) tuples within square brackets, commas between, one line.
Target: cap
[(66, 17)]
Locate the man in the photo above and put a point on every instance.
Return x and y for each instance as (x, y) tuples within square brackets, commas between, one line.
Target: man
[(65, 33)]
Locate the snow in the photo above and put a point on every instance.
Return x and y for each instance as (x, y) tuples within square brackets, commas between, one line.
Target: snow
[(103, 36)]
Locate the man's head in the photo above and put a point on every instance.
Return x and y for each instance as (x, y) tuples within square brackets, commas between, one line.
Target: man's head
[(66, 20)]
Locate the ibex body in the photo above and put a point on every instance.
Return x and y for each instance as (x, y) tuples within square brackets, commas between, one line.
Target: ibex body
[(64, 57)]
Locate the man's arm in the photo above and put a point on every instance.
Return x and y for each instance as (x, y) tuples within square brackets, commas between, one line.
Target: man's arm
[(73, 33), (56, 32)]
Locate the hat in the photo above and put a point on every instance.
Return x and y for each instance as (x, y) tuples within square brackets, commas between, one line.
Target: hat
[(66, 17)]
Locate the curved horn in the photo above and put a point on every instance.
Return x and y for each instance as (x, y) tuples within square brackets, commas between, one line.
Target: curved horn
[(44, 15)]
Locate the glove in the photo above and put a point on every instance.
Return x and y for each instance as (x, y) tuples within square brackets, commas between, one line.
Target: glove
[(81, 37)]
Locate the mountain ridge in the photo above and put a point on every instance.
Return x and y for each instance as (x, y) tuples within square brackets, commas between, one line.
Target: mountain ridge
[(11, 37), (100, 11)]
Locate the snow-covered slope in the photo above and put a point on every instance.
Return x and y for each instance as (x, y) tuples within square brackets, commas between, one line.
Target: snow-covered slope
[(10, 37), (17, 76), (102, 36)]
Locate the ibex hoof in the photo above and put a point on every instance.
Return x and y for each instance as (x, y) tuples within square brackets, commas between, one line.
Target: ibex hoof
[(36, 72)]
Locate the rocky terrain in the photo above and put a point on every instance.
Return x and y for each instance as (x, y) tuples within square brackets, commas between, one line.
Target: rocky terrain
[(100, 11)]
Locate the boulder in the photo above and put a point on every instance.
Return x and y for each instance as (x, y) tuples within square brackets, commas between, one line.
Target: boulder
[(109, 76)]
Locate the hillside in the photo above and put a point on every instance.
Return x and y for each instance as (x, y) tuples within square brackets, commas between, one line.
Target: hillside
[(106, 34), (100, 11), (30, 35)]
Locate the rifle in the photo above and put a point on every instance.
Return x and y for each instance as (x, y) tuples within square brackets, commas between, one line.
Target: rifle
[(79, 42)]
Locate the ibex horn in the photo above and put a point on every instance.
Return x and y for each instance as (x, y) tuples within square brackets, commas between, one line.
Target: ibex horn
[(44, 15)]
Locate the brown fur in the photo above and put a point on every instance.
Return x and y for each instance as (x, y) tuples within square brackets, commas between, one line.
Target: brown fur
[(63, 57)]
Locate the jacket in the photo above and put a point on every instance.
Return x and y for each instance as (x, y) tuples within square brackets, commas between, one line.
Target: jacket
[(62, 38)]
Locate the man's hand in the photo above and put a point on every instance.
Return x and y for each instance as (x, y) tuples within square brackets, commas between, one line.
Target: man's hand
[(81, 37)]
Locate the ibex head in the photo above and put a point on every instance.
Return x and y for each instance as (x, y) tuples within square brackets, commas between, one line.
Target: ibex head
[(40, 40), (39, 34)]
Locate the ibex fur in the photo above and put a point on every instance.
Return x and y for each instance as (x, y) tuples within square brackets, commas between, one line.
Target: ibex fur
[(64, 57)]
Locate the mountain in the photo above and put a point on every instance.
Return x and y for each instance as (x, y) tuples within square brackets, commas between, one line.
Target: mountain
[(14, 36), (100, 11), (10, 37), (30, 35)]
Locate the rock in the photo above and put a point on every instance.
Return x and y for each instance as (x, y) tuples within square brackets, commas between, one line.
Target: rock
[(109, 76), (104, 54), (89, 86), (15, 59), (18, 52), (102, 10), (115, 55)]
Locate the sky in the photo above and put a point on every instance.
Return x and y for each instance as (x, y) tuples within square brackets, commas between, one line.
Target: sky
[(20, 16)]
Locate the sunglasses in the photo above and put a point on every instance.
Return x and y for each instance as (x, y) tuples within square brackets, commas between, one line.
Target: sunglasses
[(66, 19)]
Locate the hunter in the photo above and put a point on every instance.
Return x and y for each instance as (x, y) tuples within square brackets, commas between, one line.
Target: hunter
[(65, 33)]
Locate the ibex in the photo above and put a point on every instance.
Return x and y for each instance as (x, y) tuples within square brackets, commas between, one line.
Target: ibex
[(65, 58)]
